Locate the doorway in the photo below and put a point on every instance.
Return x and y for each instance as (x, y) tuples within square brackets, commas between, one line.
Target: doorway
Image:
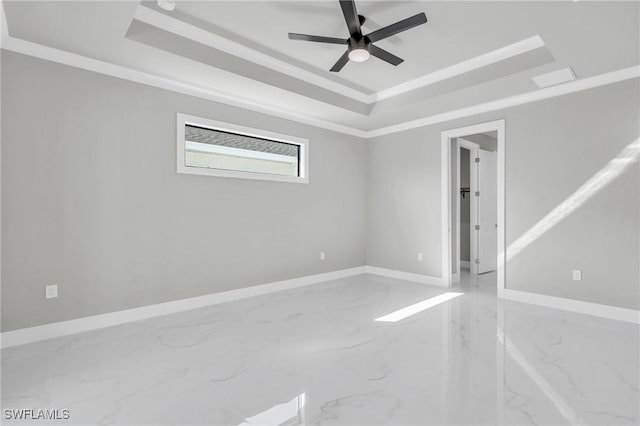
[(473, 233)]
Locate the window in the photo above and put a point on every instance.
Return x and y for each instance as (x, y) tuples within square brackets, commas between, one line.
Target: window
[(214, 148)]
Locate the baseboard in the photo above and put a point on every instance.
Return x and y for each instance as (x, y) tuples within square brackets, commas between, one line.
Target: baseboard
[(465, 263), (407, 276), (579, 306), (64, 328)]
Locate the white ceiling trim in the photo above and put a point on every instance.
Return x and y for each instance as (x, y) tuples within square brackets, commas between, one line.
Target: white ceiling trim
[(472, 64), (4, 29), (524, 98), (183, 29), (90, 64), (67, 58)]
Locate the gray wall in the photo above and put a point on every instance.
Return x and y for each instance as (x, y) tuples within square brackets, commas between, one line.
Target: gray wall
[(92, 201), (552, 147), (403, 216)]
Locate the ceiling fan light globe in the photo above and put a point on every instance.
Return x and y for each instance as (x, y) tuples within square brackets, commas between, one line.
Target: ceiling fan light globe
[(359, 55)]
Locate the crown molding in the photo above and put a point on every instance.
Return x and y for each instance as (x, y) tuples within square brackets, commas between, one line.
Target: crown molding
[(511, 101), (194, 33), (498, 55), (78, 61), (119, 71)]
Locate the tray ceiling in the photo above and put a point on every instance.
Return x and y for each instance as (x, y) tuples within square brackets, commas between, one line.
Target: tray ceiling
[(468, 53)]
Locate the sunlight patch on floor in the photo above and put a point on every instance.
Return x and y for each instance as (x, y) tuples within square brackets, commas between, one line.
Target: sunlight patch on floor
[(403, 313)]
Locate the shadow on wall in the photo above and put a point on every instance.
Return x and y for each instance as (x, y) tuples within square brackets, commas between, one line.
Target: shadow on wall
[(613, 169)]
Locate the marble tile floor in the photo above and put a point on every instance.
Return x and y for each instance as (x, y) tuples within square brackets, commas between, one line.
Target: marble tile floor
[(315, 355)]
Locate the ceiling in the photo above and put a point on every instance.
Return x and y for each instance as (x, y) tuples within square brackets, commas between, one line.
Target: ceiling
[(456, 31), (468, 52)]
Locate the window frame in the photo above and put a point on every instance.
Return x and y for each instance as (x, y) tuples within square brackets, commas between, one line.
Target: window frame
[(186, 119)]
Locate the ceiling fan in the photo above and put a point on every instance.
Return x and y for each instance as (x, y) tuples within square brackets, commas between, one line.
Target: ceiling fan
[(359, 46)]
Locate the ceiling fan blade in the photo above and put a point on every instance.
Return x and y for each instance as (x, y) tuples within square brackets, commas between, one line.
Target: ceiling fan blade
[(341, 62), (385, 56), (318, 39), (371, 26), (351, 17), (398, 27)]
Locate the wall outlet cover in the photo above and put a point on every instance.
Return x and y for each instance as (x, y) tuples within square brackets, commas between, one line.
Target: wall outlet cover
[(577, 275), (51, 292), (322, 256)]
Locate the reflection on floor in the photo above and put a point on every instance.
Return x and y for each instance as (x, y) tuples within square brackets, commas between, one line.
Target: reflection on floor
[(315, 355)]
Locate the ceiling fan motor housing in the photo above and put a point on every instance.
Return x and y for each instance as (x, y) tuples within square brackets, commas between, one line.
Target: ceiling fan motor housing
[(361, 43)]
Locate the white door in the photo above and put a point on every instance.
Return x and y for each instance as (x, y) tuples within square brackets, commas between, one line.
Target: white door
[(487, 234)]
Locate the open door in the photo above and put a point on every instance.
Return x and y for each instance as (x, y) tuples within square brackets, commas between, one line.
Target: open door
[(487, 202)]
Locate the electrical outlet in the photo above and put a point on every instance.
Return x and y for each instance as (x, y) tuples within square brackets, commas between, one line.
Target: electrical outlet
[(577, 275), (420, 257), (51, 292), (322, 256)]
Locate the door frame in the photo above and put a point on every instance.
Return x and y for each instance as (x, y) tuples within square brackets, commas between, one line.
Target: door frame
[(445, 200), (473, 216)]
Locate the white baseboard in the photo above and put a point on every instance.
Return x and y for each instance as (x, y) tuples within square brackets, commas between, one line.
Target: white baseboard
[(579, 306), (465, 263), (64, 328), (407, 276)]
